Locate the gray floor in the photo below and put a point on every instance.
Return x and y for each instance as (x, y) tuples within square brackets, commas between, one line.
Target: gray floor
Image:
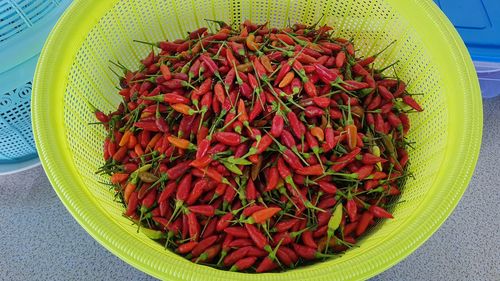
[(41, 241)]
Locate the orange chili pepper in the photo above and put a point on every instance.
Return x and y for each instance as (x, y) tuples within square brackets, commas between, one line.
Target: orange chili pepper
[(125, 138), (153, 141), (242, 111), (318, 133), (266, 62), (182, 108), (264, 214), (287, 79), (138, 150), (181, 143), (119, 178), (250, 41)]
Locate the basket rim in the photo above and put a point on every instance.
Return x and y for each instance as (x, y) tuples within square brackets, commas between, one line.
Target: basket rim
[(460, 156)]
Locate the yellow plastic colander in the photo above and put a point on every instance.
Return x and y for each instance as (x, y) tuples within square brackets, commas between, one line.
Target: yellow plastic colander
[(73, 68)]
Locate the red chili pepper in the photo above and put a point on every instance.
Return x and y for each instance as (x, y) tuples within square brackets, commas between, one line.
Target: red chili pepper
[(197, 33), (310, 89), (257, 237), (186, 247), (288, 139), (178, 170), (388, 83), (120, 154), (401, 88), (201, 162), (266, 265), (119, 178), (229, 138), (293, 256), (353, 85), (238, 243), (204, 88), (340, 59), (305, 58), (327, 203), (149, 198), (101, 116), (259, 69), (412, 103), (363, 172), (291, 159), (284, 257), (394, 121), (228, 196), (263, 144), (210, 64), (209, 254), (405, 121), (295, 124), (403, 157), (205, 210), (386, 108), (194, 70), (203, 147), (251, 192), (364, 221), (237, 231), (327, 187), (322, 102), (272, 178), (168, 191), (283, 226), (308, 239), (203, 245), (370, 159), (307, 253), (243, 264), (331, 46), (313, 170), (379, 212), (283, 169), (183, 188), (224, 222), (386, 94), (352, 210), (282, 37), (194, 226), (149, 60), (312, 112), (346, 159), (132, 204), (358, 69), (285, 68), (236, 255), (147, 125)]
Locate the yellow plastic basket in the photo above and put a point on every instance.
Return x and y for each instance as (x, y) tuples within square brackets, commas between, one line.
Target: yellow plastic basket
[(73, 67)]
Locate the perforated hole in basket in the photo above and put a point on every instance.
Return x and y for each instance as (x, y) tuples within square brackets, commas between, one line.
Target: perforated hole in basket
[(19, 15), (372, 25), (16, 136)]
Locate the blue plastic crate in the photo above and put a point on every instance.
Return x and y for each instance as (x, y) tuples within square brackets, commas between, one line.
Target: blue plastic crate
[(478, 22), (24, 26)]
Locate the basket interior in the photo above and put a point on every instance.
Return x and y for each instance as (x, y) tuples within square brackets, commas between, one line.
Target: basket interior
[(372, 24)]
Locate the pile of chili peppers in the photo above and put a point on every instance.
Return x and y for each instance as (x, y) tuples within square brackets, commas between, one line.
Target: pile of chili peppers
[(255, 149)]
